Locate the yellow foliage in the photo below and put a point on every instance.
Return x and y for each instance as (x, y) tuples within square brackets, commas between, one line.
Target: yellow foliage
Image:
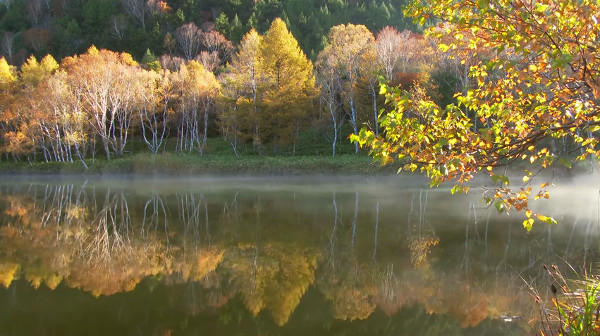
[(49, 64), (93, 50), (53, 280), (535, 78), (420, 248), (33, 72), (207, 261), (8, 272), (127, 59), (7, 74)]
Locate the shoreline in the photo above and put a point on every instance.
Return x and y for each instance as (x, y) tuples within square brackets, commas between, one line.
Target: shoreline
[(208, 164)]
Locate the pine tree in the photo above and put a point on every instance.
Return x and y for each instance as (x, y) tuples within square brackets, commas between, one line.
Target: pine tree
[(290, 84), (237, 30), (222, 25)]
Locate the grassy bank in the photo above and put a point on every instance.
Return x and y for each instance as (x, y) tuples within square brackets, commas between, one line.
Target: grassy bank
[(313, 156), (178, 164)]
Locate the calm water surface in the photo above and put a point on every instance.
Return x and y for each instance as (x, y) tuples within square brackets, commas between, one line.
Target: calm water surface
[(274, 256)]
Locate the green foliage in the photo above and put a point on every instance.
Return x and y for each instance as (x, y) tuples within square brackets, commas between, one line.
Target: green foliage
[(67, 38), (192, 10), (138, 41), (148, 57), (222, 25), (14, 18), (96, 14), (150, 61), (264, 12), (446, 85), (80, 24), (237, 30)]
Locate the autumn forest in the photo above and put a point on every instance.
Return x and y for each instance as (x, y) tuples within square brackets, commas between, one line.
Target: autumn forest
[(205, 78), (268, 102)]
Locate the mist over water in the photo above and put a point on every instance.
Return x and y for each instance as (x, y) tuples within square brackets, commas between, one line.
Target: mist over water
[(363, 255), (578, 197)]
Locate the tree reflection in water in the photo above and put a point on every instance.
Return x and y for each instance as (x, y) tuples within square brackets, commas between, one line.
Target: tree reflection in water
[(266, 251)]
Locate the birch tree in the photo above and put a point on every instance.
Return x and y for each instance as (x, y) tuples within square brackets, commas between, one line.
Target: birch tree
[(105, 81), (388, 43), (138, 9), (347, 46), (198, 89), (330, 89), (71, 119), (155, 103), (188, 40)]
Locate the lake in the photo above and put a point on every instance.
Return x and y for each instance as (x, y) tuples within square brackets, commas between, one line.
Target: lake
[(276, 256)]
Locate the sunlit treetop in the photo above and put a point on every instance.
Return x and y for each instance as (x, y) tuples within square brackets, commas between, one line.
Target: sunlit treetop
[(535, 102), (7, 74), (33, 72)]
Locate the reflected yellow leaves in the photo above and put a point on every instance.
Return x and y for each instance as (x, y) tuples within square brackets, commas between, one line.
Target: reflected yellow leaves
[(420, 248), (104, 243), (18, 207), (198, 263), (8, 271), (468, 304), (273, 277), (119, 272), (352, 295)]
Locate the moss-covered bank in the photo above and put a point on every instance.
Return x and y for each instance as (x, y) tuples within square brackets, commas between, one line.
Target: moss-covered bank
[(178, 164)]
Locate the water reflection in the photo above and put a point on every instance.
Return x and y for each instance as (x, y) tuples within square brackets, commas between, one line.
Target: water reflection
[(282, 252)]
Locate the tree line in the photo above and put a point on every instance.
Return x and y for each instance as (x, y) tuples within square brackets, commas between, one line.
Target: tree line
[(265, 92), (66, 27)]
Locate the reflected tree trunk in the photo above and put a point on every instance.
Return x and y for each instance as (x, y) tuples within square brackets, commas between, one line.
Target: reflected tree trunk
[(507, 246), (332, 239), (58, 206), (256, 240), (422, 207), (373, 258), (355, 218), (154, 211), (206, 224), (465, 261), (190, 208), (230, 213), (57, 199), (113, 226)]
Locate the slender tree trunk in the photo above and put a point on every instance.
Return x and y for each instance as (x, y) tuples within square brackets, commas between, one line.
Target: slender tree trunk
[(375, 112), (335, 127), (204, 136), (353, 116), (106, 149)]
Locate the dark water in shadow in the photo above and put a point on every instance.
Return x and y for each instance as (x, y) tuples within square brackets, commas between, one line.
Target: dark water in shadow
[(274, 256)]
